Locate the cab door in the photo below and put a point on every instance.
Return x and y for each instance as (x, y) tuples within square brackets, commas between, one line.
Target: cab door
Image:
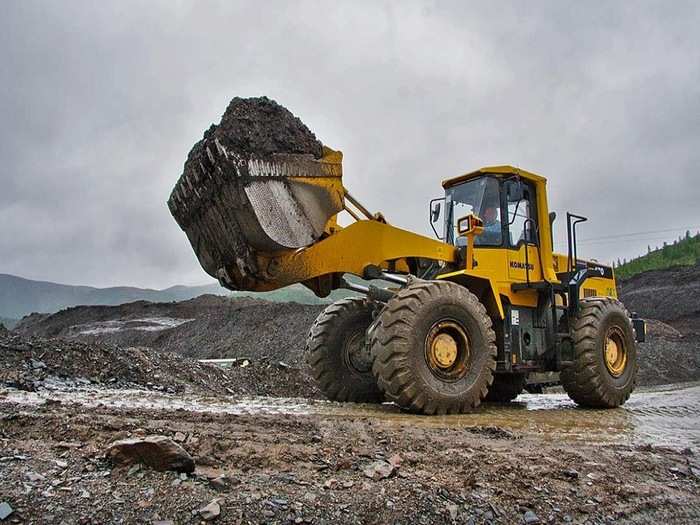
[(521, 239)]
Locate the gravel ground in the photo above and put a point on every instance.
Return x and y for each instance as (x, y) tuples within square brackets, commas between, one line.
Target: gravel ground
[(306, 468), (32, 363)]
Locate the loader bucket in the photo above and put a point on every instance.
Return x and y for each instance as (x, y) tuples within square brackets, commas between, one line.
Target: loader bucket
[(235, 205)]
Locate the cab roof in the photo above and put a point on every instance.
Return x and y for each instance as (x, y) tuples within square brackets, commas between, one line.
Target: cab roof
[(494, 170)]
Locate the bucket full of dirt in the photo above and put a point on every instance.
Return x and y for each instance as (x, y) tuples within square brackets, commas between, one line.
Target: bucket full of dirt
[(258, 182)]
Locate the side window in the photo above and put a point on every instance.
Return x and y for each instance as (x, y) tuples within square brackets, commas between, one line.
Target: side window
[(521, 216), (490, 212)]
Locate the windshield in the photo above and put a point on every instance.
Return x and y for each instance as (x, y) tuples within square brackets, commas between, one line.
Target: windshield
[(479, 196)]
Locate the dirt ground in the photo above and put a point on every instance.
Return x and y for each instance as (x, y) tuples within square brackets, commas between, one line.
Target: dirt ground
[(335, 463)]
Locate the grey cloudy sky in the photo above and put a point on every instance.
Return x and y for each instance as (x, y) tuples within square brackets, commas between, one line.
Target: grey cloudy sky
[(100, 103)]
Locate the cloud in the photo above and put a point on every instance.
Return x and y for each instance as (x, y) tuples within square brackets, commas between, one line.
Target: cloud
[(101, 103)]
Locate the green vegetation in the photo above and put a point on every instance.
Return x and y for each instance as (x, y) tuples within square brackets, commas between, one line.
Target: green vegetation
[(683, 252)]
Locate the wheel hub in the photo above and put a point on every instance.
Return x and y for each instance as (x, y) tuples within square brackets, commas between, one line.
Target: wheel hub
[(357, 353), (447, 350), (615, 353), (444, 348)]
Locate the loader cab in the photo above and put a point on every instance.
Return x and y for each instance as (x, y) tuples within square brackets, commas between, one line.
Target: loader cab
[(507, 207), (516, 243)]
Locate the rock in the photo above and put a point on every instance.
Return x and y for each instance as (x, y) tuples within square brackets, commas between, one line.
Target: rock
[(5, 510), (35, 476), (530, 518), (157, 452), (211, 511), (179, 437), (570, 473), (163, 522), (395, 460), (222, 483), (379, 470), (36, 364), (60, 463), (453, 510)]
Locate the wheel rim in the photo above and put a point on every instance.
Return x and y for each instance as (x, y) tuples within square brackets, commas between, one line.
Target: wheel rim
[(447, 350), (615, 352), (357, 354)]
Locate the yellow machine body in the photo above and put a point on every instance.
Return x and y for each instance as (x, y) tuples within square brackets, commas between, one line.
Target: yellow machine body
[(488, 272), (499, 268)]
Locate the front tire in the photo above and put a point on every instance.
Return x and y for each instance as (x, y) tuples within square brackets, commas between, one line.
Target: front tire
[(434, 349), (604, 371), (338, 355)]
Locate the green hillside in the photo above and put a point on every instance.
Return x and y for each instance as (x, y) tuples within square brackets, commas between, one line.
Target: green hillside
[(683, 252)]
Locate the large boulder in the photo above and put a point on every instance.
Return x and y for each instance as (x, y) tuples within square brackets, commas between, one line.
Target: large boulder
[(157, 452)]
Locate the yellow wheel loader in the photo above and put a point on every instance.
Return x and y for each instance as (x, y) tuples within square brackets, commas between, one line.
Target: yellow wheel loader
[(461, 319)]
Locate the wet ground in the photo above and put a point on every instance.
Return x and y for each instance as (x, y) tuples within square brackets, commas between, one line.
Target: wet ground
[(663, 416), (539, 460)]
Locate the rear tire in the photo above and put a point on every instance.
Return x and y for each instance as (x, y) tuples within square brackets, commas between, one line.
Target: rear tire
[(506, 387), (434, 349), (604, 371), (338, 355)]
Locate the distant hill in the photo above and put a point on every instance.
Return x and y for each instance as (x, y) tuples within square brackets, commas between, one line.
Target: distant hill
[(683, 252), (8, 322), (20, 297)]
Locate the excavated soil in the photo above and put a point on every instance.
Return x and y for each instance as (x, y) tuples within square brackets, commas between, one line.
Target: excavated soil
[(669, 295), (33, 363), (264, 333), (260, 127), (204, 328), (668, 300)]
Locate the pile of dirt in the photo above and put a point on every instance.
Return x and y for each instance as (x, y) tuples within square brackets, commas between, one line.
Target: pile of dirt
[(273, 335), (669, 295), (34, 363), (257, 127), (668, 356), (207, 327), (668, 300)]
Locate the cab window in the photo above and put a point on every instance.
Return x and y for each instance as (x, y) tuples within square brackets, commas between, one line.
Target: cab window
[(521, 217), (479, 196)]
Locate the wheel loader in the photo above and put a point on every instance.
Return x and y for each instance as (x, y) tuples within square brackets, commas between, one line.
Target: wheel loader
[(457, 320)]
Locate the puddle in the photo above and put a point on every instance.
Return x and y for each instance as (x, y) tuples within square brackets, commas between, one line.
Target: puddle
[(667, 416), (145, 324)]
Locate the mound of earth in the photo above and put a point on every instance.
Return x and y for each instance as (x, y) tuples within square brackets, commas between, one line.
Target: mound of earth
[(203, 328), (260, 127), (669, 295), (32, 363), (668, 300), (274, 334), (668, 356)]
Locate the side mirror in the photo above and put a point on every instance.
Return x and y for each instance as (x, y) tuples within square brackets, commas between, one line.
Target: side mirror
[(435, 211), (470, 225)]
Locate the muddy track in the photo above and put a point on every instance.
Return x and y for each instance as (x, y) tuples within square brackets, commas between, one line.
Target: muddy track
[(315, 465)]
